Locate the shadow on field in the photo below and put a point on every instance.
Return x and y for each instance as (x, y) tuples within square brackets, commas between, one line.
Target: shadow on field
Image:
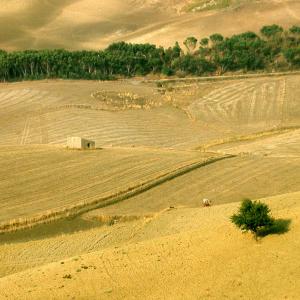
[(280, 226), (42, 231)]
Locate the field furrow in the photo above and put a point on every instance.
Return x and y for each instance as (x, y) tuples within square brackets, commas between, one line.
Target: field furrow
[(39, 179), (225, 181)]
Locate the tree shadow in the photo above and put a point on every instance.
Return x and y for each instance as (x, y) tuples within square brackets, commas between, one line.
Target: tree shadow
[(42, 231), (280, 226)]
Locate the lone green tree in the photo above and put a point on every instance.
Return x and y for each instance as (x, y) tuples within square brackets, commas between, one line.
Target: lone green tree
[(252, 216)]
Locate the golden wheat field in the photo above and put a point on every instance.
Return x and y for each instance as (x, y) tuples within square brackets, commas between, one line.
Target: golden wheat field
[(121, 220)]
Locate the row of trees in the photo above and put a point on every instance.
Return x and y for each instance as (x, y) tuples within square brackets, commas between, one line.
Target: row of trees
[(273, 49)]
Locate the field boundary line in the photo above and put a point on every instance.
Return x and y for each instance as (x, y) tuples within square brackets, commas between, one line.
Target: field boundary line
[(250, 137), (84, 207), (220, 78)]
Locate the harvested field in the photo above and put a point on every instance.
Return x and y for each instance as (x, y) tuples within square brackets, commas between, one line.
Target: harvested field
[(38, 180), (250, 105), (131, 208), (49, 112), (213, 116), (153, 128), (225, 181), (286, 144)]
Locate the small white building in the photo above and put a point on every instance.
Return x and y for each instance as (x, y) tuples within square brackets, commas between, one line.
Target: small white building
[(80, 143)]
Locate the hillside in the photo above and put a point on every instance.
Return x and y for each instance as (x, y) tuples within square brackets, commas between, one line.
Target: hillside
[(91, 24), (133, 113), (50, 111), (215, 119), (166, 128), (180, 252), (121, 220)]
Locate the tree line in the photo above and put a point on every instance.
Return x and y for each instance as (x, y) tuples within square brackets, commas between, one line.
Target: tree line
[(273, 49)]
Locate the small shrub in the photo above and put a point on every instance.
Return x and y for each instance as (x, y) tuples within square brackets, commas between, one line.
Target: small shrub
[(167, 71), (252, 216)]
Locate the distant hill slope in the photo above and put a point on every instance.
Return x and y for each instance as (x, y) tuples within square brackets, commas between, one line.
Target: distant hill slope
[(91, 24)]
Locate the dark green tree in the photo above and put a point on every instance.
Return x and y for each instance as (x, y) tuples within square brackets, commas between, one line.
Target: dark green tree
[(204, 50), (295, 30), (216, 38), (190, 43), (204, 42), (270, 31), (293, 56), (277, 49), (252, 216)]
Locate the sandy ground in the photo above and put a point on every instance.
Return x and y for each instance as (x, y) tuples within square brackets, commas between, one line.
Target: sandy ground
[(187, 254)]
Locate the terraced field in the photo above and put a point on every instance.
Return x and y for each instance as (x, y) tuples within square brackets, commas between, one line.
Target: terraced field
[(38, 180)]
